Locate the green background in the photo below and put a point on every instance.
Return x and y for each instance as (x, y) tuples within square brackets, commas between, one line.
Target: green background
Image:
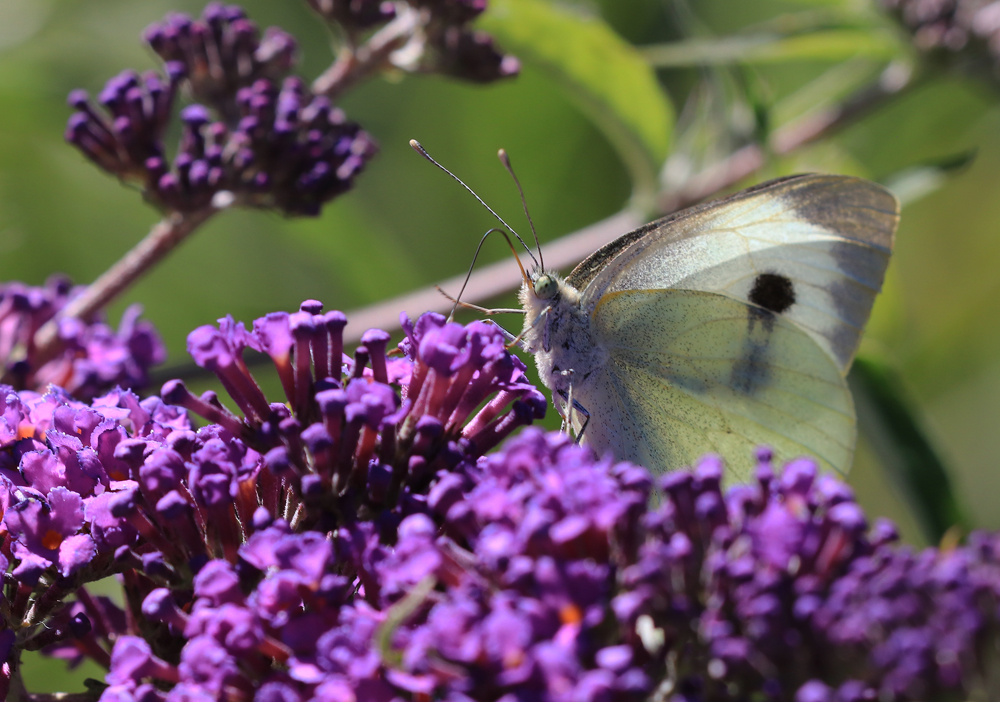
[(406, 226)]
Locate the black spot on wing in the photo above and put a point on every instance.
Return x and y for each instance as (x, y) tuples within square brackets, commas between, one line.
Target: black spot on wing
[(772, 292)]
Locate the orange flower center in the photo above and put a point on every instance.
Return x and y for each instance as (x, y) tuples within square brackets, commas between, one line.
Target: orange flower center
[(52, 539), (570, 614)]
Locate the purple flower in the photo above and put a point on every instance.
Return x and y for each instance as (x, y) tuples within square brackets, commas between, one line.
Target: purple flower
[(222, 52), (358, 540), (132, 661), (468, 54), (92, 358), (207, 665), (541, 530), (45, 533), (349, 442), (259, 138)]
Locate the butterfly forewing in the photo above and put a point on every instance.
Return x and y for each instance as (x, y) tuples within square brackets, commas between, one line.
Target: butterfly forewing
[(812, 249), (690, 372)]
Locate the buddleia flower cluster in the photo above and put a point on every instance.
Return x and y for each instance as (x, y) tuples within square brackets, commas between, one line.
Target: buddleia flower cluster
[(92, 358), (377, 533), (255, 133), (960, 33), (131, 487)]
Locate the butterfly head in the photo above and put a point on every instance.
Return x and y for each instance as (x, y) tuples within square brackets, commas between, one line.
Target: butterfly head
[(545, 286)]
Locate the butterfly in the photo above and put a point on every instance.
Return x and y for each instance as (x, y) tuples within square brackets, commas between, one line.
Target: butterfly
[(723, 327)]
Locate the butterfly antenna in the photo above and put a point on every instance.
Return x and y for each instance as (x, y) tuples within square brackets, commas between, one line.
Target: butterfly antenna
[(505, 160), (423, 152), (524, 276)]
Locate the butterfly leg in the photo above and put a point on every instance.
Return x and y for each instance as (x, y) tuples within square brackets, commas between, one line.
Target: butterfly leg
[(586, 421), (568, 408)]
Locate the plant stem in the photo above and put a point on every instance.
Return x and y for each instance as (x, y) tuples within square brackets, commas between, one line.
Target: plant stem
[(354, 64), (161, 240), (785, 140)]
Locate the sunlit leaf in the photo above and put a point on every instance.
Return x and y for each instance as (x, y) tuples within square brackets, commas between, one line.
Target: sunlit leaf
[(604, 74)]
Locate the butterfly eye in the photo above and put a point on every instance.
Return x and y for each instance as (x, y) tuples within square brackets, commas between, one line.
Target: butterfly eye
[(546, 287)]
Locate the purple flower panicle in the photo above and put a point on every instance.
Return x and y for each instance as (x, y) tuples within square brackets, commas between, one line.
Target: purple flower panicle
[(68, 487), (781, 587), (541, 572), (126, 486), (256, 135), (92, 358)]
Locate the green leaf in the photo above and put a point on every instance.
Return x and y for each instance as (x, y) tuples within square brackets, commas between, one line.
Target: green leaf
[(604, 75), (886, 417), (827, 45), (922, 179)]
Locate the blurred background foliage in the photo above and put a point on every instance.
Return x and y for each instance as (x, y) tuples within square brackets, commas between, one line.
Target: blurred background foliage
[(585, 134)]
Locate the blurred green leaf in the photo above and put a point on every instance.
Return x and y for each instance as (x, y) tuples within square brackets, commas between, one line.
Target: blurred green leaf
[(887, 418), (605, 75), (828, 45), (809, 21), (937, 115), (831, 86), (921, 179)]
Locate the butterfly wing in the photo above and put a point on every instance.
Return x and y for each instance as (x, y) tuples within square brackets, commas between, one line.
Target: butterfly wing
[(812, 248), (690, 372)]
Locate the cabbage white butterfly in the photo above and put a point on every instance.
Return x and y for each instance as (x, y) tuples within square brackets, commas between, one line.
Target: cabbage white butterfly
[(725, 326)]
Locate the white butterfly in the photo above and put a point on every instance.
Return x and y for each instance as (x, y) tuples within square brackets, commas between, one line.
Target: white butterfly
[(720, 328)]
